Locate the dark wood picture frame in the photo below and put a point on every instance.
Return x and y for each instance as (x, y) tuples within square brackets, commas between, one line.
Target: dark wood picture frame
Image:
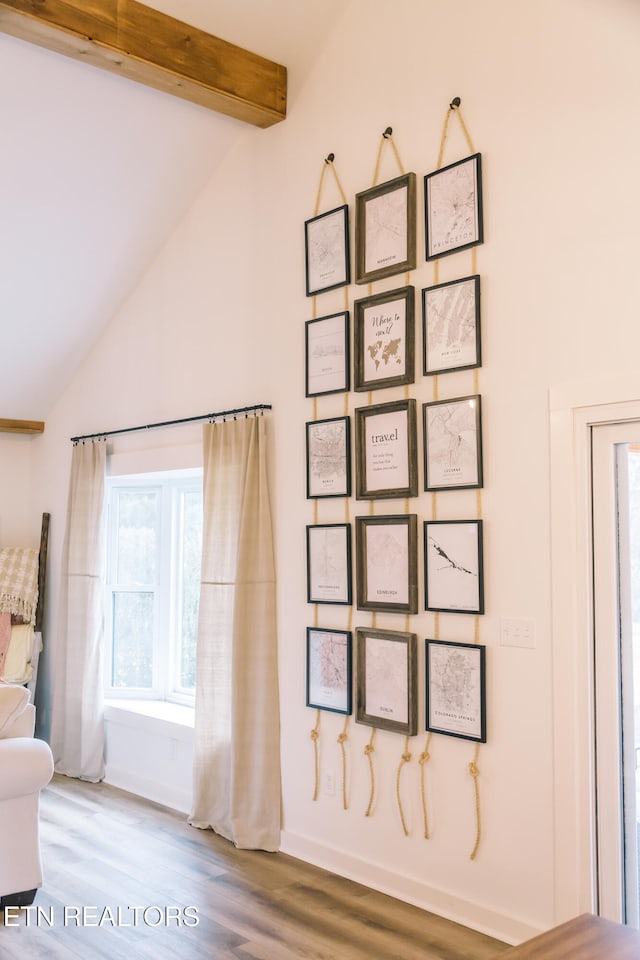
[(386, 229), (387, 680), (387, 563), (327, 255), (454, 566), (329, 670), (386, 451), (453, 207), (455, 689), (384, 339)]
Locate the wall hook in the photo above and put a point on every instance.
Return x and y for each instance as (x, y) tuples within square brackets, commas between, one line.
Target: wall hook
[(387, 133), (455, 103), (330, 158)]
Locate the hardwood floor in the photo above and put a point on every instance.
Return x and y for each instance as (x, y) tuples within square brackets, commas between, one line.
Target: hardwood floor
[(120, 874)]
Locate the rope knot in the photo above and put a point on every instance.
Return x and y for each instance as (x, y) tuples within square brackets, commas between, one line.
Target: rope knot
[(368, 750), (342, 737), (425, 757), (406, 757), (473, 769), (314, 735)]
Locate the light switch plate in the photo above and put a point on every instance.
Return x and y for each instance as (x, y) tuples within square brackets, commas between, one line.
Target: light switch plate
[(518, 632)]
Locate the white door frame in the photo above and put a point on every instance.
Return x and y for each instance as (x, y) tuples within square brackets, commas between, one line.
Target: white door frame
[(573, 410)]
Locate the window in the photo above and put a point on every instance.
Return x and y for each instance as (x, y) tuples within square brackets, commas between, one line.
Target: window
[(154, 543)]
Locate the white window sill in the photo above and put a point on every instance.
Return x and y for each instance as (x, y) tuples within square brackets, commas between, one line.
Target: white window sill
[(154, 716)]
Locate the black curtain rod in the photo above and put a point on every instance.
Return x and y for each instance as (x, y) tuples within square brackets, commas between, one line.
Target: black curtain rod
[(172, 423)]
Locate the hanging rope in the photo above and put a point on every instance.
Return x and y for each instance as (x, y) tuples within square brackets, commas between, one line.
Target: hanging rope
[(475, 773), (315, 734), (368, 752), (342, 739), (453, 108), (423, 760), (405, 758)]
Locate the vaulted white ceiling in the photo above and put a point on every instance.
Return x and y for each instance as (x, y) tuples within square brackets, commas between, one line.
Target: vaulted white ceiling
[(96, 171)]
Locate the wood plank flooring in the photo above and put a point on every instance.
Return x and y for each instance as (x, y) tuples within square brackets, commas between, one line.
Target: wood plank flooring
[(107, 852)]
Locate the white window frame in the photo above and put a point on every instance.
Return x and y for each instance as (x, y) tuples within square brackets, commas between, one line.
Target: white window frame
[(171, 487)]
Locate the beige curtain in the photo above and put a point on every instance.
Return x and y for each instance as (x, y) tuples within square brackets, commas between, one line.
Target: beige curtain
[(237, 725), (77, 728)]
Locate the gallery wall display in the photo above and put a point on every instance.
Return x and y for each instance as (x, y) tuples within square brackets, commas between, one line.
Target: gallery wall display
[(384, 340), (451, 326), (453, 566), (327, 251), (327, 355), (452, 434), (386, 451), (386, 229), (329, 458), (386, 563), (387, 682), (329, 563), (453, 207), (329, 670), (456, 689)]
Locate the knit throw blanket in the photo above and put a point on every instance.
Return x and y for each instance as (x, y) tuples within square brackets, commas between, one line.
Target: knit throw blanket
[(19, 582)]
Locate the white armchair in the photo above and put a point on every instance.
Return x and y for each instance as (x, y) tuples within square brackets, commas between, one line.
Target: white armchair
[(26, 766)]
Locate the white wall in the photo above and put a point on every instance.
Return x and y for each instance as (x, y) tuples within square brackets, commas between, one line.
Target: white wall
[(549, 92)]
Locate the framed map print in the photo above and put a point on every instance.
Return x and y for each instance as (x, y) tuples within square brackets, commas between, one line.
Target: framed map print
[(386, 680), (386, 563), (386, 451), (386, 229), (384, 339), (327, 359), (326, 240), (453, 207), (329, 563), (329, 458), (329, 670), (453, 566), (456, 689), (452, 443), (451, 326)]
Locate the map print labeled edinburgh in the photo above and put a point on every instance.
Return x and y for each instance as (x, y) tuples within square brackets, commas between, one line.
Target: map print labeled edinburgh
[(328, 677), (327, 459), (454, 689), (387, 563), (451, 325), (452, 206), (384, 335)]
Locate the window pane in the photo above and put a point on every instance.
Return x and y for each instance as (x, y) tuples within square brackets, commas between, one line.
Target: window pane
[(137, 536), (132, 664), (191, 561)]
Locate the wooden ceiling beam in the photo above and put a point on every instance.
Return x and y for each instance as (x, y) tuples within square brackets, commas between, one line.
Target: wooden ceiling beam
[(21, 426), (135, 41)]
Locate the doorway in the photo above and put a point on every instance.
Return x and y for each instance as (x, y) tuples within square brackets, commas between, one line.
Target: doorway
[(615, 537)]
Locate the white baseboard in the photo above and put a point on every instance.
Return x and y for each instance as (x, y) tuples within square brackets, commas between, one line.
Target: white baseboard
[(445, 904), (165, 794)]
